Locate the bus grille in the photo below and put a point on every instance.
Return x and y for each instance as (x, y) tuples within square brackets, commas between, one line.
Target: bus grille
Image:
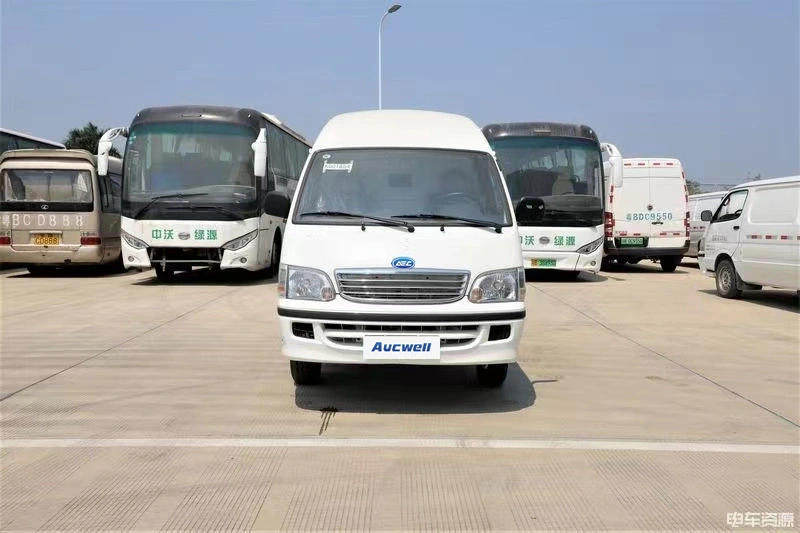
[(418, 287)]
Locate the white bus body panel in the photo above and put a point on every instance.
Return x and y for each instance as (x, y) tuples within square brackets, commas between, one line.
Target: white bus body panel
[(215, 233), (764, 241), (549, 248)]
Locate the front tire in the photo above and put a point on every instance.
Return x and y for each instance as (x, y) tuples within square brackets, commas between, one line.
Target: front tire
[(670, 262), (164, 274), (725, 275), (275, 257), (305, 373), (492, 376)]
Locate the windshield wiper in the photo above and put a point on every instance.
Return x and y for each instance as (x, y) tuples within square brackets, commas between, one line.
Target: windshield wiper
[(155, 199), (498, 228), (390, 221), (574, 215), (232, 214)]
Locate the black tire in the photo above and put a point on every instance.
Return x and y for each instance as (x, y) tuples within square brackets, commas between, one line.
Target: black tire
[(727, 280), (305, 373), (117, 266), (492, 375), (670, 262), (164, 274), (605, 264), (275, 257)]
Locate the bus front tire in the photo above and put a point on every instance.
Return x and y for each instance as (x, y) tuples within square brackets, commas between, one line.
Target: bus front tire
[(726, 279), (274, 257), (164, 273), (492, 375), (305, 373), (670, 262)]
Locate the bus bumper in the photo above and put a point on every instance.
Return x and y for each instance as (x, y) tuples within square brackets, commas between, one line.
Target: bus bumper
[(244, 258), (67, 255), (334, 340), (572, 261)]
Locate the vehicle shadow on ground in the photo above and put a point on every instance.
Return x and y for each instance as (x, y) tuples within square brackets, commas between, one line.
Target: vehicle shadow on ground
[(558, 276), (74, 272), (407, 389), (644, 268), (777, 299), (205, 276)]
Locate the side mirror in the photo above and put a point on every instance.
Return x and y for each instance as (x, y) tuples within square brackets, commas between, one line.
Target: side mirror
[(277, 204), (706, 215), (260, 154), (616, 173), (614, 163), (529, 209), (104, 146)]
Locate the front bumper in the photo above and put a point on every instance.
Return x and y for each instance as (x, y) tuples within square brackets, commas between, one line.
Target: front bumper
[(244, 258), (337, 336), (571, 261), (54, 255), (646, 252)]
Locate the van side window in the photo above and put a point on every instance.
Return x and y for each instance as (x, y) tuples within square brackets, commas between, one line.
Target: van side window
[(731, 207)]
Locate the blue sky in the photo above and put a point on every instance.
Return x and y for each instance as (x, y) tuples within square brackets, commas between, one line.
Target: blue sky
[(714, 83)]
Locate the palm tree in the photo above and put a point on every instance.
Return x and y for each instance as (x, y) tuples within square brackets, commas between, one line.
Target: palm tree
[(87, 138)]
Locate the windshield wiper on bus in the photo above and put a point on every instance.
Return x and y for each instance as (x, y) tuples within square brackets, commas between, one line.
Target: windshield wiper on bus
[(574, 215), (390, 221), (155, 199), (498, 228), (232, 214)]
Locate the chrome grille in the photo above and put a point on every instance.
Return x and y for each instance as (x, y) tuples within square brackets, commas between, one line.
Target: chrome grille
[(417, 287), (352, 335)]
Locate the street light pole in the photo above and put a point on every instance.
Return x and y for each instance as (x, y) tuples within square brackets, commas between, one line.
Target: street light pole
[(392, 9)]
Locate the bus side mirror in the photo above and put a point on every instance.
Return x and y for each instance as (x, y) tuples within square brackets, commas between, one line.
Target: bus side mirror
[(104, 146), (706, 215), (529, 209), (616, 173), (260, 154), (277, 204)]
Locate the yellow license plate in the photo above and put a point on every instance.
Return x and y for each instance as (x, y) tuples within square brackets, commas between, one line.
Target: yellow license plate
[(46, 239)]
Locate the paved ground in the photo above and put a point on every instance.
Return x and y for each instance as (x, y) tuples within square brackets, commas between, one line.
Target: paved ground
[(641, 401)]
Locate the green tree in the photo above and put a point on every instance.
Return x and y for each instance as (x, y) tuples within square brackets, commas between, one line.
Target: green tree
[(693, 187), (87, 138)]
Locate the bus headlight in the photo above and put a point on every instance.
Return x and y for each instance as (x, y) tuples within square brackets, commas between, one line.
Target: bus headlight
[(133, 242), (499, 286), (591, 247), (304, 284), (240, 242)]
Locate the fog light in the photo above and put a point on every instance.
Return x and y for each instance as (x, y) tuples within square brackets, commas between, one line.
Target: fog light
[(131, 259), (243, 260), (594, 263)]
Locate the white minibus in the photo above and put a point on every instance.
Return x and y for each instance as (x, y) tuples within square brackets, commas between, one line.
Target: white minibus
[(698, 203)]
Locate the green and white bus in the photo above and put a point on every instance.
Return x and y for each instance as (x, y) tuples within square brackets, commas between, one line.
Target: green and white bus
[(194, 184)]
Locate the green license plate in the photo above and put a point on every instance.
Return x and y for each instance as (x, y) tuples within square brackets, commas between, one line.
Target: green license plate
[(543, 263), (631, 241)]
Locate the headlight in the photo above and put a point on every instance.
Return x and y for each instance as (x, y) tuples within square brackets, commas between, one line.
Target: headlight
[(499, 286), (240, 242), (591, 247), (304, 284), (133, 242)]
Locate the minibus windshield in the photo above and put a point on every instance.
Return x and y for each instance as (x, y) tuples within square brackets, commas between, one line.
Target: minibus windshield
[(42, 186), (461, 186)]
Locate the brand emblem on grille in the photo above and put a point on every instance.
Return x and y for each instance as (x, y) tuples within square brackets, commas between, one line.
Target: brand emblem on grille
[(183, 236), (649, 207), (544, 240), (45, 207), (403, 262)]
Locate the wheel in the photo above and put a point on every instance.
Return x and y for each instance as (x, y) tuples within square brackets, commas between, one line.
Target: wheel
[(305, 373), (670, 262), (726, 280), (164, 274), (117, 266), (605, 263), (275, 257), (492, 375)]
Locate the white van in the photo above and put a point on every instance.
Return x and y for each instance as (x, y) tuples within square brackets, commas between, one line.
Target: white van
[(697, 227), (647, 218), (401, 247), (753, 239)]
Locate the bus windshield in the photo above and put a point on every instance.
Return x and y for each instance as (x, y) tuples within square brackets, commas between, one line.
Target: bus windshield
[(40, 186), (564, 173), (168, 158), (426, 186)]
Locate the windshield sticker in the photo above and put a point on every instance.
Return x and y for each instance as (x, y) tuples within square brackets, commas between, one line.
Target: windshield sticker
[(336, 166)]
